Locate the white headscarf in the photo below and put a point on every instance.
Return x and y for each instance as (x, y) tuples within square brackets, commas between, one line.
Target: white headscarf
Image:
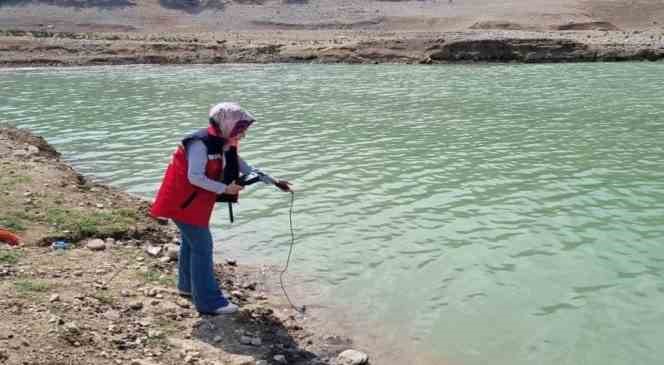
[(226, 115)]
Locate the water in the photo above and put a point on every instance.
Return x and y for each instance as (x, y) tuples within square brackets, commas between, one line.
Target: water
[(503, 214)]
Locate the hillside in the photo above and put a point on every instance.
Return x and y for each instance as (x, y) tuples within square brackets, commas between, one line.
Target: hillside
[(372, 15)]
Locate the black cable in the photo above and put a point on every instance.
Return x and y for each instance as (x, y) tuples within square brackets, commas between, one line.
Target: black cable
[(290, 251)]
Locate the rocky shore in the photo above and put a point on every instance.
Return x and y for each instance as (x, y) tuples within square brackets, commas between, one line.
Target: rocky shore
[(45, 48), (93, 281)]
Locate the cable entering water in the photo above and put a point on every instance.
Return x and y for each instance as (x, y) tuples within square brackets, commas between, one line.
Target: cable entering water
[(290, 251)]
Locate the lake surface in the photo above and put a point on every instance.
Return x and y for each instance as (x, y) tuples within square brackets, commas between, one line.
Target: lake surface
[(464, 214)]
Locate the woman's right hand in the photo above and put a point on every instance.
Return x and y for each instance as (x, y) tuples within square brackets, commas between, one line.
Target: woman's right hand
[(233, 189)]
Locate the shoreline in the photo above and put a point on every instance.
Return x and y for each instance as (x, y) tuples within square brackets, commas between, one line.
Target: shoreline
[(109, 296), (20, 48)]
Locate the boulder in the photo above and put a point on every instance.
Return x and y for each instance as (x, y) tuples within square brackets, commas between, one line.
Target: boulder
[(352, 357), (96, 245)]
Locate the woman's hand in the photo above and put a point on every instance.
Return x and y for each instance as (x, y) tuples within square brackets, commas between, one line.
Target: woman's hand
[(283, 185), (233, 189)]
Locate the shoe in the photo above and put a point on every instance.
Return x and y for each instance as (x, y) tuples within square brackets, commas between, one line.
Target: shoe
[(229, 308)]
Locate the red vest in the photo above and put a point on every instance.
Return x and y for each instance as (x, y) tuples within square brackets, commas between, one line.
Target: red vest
[(177, 198)]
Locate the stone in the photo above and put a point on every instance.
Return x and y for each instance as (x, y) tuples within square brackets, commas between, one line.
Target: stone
[(217, 339), (261, 362), (245, 340), (182, 303), (142, 362), (235, 359), (280, 359), (256, 341), (352, 357), (96, 245), (172, 251), (112, 315), (165, 259), (110, 241), (54, 298), (154, 251), (136, 305)]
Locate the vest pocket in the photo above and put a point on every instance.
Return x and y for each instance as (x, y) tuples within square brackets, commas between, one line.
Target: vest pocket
[(190, 199)]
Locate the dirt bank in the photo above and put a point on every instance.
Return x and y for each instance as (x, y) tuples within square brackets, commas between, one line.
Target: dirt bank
[(42, 48), (109, 297)]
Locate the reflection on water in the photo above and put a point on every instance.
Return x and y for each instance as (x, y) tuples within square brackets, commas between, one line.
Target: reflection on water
[(506, 214)]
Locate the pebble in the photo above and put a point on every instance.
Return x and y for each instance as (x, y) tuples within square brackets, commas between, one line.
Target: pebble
[(136, 305), (217, 339), (96, 245), (182, 303), (245, 340), (352, 357), (280, 359), (54, 298), (154, 251), (172, 251)]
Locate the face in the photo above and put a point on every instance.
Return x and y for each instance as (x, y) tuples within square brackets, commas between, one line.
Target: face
[(240, 135)]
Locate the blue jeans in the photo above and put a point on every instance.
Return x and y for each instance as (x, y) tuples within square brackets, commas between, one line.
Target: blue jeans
[(196, 269)]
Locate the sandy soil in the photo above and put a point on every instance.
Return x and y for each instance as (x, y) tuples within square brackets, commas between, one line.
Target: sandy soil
[(109, 298)]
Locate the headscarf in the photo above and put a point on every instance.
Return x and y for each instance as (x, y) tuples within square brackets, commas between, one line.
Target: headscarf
[(228, 115)]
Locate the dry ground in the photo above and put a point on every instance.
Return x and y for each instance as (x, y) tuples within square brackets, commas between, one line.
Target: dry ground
[(116, 304)]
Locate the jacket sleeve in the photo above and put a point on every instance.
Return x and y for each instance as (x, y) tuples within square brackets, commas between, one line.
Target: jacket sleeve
[(247, 169), (196, 161)]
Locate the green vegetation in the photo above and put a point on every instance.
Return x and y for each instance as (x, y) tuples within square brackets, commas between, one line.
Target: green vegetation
[(27, 286), (10, 181), (9, 257), (80, 224), (154, 276), (12, 223)]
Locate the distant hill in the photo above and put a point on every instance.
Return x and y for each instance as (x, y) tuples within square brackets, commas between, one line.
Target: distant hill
[(308, 15)]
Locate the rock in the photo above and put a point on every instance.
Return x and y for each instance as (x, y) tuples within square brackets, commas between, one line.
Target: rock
[(136, 305), (71, 328), (280, 359), (142, 362), (352, 357), (230, 262), (165, 259), (110, 241), (261, 362), (245, 340), (96, 245), (172, 251), (154, 251), (54, 298), (256, 341), (182, 303), (217, 339), (235, 359), (152, 292), (154, 333), (125, 293)]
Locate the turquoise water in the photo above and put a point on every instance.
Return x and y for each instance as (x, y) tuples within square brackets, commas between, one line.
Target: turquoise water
[(502, 214)]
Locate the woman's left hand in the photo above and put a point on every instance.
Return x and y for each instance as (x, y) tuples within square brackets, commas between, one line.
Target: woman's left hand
[(283, 185)]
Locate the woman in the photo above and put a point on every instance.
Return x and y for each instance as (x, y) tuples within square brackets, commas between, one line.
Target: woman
[(191, 185)]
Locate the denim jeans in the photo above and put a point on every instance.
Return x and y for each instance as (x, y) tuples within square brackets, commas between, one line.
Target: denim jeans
[(196, 269)]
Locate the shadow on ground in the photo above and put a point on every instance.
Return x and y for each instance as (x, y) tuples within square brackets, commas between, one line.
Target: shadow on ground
[(253, 332)]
